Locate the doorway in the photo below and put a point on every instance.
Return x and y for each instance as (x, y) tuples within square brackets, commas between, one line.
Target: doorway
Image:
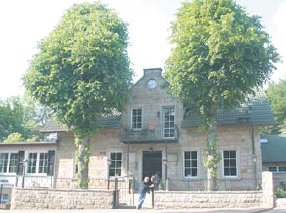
[(152, 163)]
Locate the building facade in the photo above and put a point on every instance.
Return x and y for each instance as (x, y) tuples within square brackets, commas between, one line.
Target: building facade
[(151, 137)]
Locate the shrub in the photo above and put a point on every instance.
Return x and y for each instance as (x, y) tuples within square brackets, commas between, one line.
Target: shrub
[(280, 193)]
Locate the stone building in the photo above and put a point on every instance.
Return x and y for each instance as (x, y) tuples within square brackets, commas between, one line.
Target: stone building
[(273, 149), (26, 164), (152, 136)]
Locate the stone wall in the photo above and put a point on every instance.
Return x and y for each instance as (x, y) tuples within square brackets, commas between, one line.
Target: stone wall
[(61, 199), (280, 203), (208, 199)]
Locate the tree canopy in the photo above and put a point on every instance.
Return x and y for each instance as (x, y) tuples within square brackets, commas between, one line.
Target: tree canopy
[(82, 72), (18, 116), (276, 94), (220, 54), (82, 68)]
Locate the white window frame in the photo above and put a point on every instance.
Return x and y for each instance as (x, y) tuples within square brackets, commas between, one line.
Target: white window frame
[(236, 163), (4, 198), (277, 169), (198, 160), (37, 172), (8, 163), (131, 120), (163, 121), (7, 166), (110, 163)]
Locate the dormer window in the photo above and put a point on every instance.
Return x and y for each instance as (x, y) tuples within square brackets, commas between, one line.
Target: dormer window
[(136, 118)]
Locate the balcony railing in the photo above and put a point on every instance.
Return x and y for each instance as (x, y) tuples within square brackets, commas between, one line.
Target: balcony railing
[(149, 135)]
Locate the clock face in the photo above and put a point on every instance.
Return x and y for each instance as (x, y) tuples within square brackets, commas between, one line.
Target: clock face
[(152, 84)]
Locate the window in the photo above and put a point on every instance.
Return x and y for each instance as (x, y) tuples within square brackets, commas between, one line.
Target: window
[(4, 198), (3, 162), (43, 163), (14, 158), (169, 122), (37, 163), (277, 169), (272, 169), (190, 164), (282, 169), (115, 164), (32, 162), (229, 163), (136, 118)]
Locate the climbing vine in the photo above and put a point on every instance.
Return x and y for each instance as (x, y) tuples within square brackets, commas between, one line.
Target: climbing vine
[(211, 159), (82, 158)]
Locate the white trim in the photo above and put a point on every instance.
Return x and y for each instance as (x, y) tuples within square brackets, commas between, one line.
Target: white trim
[(108, 167), (131, 118), (163, 120), (8, 164), (237, 166), (198, 163), (38, 152)]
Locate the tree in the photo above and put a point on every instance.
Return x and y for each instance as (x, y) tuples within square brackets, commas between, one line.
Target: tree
[(82, 72), (219, 55), (14, 137), (18, 115), (11, 117), (276, 94)]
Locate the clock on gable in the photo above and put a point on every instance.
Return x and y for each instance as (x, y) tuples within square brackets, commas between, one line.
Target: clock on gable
[(152, 84)]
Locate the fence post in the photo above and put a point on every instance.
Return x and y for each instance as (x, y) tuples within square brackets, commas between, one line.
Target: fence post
[(152, 191), (267, 190), (115, 193), (1, 189)]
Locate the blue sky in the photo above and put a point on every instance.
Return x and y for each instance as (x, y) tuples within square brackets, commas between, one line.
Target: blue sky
[(24, 23)]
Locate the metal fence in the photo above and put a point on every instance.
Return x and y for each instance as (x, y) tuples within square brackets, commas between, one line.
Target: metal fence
[(5, 191), (226, 184), (131, 184)]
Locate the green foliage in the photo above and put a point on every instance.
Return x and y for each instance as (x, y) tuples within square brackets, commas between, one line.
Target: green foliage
[(14, 137), (280, 193), (18, 115), (276, 94), (82, 68), (220, 54), (82, 72)]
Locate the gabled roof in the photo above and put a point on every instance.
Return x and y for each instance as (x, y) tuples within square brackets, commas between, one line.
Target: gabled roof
[(106, 121), (54, 126), (274, 150), (256, 111)]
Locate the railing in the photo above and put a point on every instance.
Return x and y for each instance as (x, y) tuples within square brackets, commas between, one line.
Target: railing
[(131, 184), (149, 134), (226, 184)]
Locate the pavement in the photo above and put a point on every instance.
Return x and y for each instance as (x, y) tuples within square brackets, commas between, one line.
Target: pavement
[(148, 210)]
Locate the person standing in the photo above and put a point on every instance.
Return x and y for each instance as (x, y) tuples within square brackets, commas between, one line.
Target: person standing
[(143, 189)]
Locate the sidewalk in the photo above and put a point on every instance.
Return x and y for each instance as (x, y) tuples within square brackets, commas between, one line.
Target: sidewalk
[(145, 210)]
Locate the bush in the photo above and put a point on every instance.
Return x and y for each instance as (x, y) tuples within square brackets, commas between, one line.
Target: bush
[(280, 193)]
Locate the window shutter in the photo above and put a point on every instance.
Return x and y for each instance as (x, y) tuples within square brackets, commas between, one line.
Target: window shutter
[(20, 166), (51, 162)]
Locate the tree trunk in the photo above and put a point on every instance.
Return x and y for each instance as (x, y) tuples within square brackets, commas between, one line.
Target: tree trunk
[(83, 161), (211, 140)]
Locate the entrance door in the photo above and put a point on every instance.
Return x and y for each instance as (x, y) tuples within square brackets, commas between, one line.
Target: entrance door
[(152, 163)]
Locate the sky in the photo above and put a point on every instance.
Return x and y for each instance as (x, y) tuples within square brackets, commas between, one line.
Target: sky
[(25, 23)]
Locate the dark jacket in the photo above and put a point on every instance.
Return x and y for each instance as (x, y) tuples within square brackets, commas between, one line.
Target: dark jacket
[(144, 188)]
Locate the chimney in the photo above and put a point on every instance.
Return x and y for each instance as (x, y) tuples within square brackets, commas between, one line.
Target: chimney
[(153, 72)]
